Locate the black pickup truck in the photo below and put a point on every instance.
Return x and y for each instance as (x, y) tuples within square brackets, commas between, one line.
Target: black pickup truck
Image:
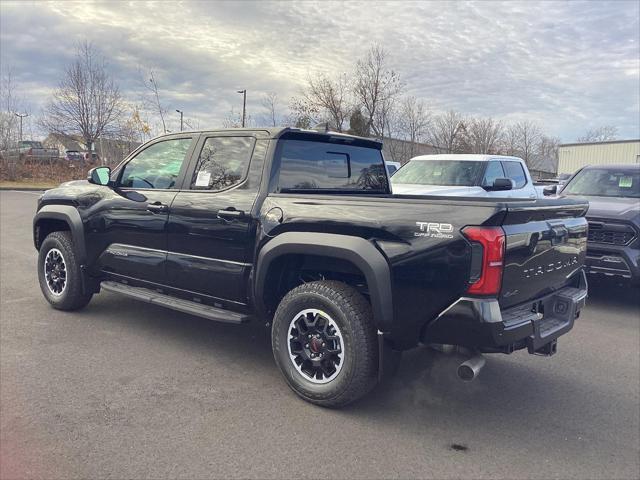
[(298, 229)]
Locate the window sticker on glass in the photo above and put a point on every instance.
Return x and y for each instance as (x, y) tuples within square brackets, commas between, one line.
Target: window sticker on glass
[(625, 182), (203, 179)]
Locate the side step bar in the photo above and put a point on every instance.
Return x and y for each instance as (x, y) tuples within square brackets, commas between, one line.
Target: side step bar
[(186, 306)]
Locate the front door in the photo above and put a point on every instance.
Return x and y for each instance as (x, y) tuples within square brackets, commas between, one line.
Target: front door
[(131, 226), (210, 219)]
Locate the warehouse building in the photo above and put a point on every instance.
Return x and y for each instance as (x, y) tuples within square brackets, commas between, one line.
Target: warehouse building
[(572, 156)]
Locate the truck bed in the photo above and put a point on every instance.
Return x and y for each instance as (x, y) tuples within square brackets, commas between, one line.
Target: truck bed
[(430, 258)]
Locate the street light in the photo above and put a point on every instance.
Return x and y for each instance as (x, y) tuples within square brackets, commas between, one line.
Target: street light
[(244, 104), (21, 116), (181, 115)]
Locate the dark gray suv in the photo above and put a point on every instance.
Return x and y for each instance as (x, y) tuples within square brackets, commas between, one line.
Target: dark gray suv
[(613, 192)]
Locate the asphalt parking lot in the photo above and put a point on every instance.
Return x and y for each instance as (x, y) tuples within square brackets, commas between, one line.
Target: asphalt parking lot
[(128, 390)]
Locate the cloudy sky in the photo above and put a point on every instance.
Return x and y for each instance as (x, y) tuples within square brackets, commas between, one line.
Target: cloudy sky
[(567, 65)]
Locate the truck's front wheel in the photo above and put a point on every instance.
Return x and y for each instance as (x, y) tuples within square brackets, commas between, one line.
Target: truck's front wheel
[(59, 273), (324, 343)]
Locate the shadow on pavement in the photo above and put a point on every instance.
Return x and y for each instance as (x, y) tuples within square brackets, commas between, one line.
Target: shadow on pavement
[(608, 292)]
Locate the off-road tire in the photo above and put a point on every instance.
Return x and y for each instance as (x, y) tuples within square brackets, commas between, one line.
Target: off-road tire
[(71, 298), (352, 314)]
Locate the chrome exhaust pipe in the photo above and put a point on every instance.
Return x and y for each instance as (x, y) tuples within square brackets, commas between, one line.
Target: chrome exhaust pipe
[(470, 369)]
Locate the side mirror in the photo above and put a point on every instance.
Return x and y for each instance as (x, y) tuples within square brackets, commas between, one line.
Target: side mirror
[(550, 190), (500, 184), (99, 175)]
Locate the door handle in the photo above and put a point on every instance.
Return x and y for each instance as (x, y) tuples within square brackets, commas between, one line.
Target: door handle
[(157, 207), (228, 213)]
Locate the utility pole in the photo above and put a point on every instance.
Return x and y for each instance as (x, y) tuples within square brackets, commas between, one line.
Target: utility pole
[(181, 114), (20, 116), (244, 104)]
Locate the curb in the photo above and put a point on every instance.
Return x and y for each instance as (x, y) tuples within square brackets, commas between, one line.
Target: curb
[(24, 189)]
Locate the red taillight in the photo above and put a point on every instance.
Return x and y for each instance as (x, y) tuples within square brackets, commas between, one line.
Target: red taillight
[(492, 241)]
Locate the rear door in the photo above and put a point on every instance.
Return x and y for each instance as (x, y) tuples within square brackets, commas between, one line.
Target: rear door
[(210, 219)]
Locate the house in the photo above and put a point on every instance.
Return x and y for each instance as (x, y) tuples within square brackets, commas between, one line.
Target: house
[(63, 143)]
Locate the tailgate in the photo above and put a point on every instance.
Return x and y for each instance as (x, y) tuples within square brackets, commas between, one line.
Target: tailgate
[(546, 246)]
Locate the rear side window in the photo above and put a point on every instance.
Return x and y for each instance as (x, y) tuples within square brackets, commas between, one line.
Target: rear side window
[(494, 170), (222, 163), (309, 165), (515, 172)]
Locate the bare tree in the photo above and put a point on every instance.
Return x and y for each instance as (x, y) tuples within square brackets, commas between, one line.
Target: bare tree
[(415, 121), (154, 102), (509, 142), (233, 119), (523, 140), (604, 133), (325, 99), (87, 101), (135, 128), (376, 89), (12, 104), (9, 106), (192, 123), (270, 102), (483, 135), (546, 155), (447, 132), (302, 114)]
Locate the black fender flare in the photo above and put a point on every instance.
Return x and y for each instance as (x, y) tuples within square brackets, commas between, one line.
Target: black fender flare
[(362, 253), (71, 217)]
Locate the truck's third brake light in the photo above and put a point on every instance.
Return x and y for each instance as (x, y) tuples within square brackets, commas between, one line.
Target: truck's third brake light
[(492, 241)]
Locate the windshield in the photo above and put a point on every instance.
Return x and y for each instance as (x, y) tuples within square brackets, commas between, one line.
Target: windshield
[(440, 172), (602, 182)]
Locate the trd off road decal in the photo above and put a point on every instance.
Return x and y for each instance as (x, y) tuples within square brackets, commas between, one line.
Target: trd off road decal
[(434, 230)]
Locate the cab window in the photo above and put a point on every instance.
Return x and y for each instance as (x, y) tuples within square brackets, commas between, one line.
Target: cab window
[(157, 166), (316, 165), (515, 172), (222, 163), (494, 170)]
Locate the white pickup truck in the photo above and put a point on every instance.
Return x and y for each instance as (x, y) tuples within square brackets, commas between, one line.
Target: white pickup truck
[(463, 175)]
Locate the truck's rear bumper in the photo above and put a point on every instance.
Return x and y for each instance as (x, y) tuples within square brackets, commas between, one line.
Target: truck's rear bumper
[(480, 324)]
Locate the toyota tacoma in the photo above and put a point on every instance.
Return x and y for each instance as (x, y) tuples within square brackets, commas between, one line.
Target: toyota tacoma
[(299, 230)]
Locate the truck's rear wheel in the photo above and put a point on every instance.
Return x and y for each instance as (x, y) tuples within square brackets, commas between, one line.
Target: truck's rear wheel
[(324, 343), (59, 273)]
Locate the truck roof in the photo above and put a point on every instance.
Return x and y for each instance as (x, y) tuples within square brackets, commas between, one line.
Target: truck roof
[(464, 156), (614, 166), (279, 132)]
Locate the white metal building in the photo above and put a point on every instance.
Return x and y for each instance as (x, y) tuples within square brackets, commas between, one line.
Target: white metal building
[(572, 156)]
